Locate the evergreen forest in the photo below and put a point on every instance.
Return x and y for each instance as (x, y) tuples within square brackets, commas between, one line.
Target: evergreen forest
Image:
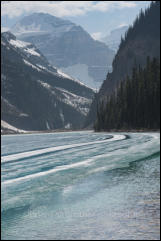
[(135, 104)]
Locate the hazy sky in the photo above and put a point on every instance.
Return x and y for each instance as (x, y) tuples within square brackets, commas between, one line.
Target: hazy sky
[(97, 17)]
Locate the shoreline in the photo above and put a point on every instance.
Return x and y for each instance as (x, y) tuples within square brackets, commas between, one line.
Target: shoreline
[(44, 132), (79, 130), (130, 131)]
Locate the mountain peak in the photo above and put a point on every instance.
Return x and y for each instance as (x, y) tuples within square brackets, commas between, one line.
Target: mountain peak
[(66, 44), (41, 23), (46, 17)]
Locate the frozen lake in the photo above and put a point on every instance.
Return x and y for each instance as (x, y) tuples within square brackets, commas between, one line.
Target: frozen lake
[(81, 185)]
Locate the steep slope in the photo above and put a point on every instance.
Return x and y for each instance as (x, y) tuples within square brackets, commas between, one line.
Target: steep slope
[(35, 95), (66, 46), (141, 40)]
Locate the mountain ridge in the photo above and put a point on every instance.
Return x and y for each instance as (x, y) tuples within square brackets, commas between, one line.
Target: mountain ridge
[(35, 95)]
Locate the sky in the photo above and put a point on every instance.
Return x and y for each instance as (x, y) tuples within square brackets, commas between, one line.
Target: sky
[(96, 17)]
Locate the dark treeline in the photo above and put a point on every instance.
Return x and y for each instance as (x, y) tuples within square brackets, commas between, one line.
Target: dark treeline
[(144, 24), (136, 102), (142, 39)]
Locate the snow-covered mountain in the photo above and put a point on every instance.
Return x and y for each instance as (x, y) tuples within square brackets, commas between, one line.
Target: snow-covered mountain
[(67, 46), (35, 95), (113, 39), (42, 24)]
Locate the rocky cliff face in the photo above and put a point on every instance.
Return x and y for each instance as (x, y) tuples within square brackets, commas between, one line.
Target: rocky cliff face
[(35, 95), (141, 40), (66, 46)]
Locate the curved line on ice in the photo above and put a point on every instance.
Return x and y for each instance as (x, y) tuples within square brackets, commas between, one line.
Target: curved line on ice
[(25, 155), (56, 169)]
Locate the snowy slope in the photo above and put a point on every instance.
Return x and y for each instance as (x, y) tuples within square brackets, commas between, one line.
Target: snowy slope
[(30, 50), (48, 98), (40, 23), (7, 128)]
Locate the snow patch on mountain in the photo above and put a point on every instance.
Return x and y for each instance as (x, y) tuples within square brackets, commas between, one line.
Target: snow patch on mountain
[(3, 77), (32, 52), (45, 85), (27, 47), (42, 67), (78, 102), (5, 125), (68, 126), (18, 43), (47, 125), (63, 74), (13, 108), (33, 66)]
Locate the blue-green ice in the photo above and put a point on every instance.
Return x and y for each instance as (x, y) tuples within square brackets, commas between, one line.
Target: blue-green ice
[(80, 185)]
